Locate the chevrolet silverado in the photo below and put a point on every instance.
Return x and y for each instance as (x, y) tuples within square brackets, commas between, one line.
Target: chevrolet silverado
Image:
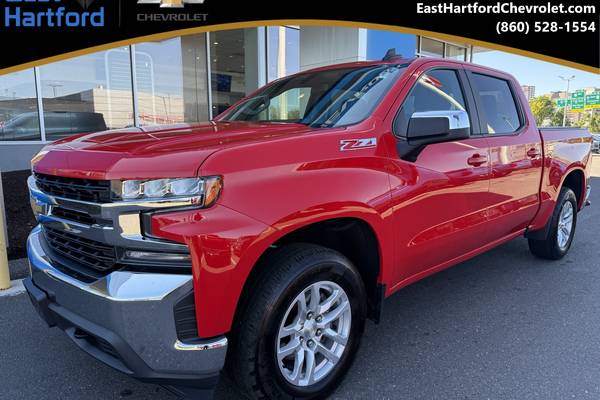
[(260, 242)]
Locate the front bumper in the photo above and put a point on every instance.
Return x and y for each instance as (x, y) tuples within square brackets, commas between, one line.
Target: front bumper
[(125, 320)]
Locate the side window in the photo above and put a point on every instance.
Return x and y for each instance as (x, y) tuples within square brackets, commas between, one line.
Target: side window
[(436, 90), (499, 112)]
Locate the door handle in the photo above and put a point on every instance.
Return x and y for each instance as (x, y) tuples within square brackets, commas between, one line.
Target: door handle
[(533, 153), (477, 159)]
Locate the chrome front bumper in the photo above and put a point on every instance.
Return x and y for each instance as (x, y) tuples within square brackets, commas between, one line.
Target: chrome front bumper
[(124, 319)]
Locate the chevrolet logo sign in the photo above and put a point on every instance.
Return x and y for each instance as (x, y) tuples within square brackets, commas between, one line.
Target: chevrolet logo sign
[(171, 3)]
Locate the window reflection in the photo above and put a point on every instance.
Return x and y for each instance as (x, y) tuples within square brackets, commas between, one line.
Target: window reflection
[(171, 80), (87, 94), (19, 119), (283, 47), (228, 52)]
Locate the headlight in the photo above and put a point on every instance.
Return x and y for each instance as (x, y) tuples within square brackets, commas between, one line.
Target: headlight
[(203, 191)]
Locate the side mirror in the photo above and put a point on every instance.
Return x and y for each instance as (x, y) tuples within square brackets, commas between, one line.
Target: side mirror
[(438, 126), (430, 127)]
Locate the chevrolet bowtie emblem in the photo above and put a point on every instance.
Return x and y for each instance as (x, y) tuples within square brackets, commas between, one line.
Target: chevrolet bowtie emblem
[(171, 3)]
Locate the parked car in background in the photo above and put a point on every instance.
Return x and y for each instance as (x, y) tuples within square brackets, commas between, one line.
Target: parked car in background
[(267, 236), (596, 143), (58, 124)]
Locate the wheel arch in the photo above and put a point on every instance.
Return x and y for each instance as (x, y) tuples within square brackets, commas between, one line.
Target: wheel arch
[(353, 237), (575, 180)]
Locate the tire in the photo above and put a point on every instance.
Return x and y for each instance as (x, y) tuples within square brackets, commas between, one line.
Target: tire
[(290, 274), (558, 243)]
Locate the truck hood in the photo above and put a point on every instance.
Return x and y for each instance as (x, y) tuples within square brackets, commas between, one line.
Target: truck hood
[(152, 152)]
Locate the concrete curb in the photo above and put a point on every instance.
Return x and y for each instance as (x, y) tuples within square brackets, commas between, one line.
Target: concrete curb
[(16, 288)]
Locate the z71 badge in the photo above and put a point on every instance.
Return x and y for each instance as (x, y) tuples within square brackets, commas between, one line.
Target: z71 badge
[(357, 144)]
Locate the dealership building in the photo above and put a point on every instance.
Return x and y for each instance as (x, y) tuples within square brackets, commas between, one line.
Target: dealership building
[(183, 79)]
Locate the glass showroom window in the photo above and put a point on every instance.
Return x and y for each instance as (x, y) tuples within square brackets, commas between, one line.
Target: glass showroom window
[(431, 48), (234, 66), (19, 119), (171, 77), (87, 94), (283, 50), (456, 52)]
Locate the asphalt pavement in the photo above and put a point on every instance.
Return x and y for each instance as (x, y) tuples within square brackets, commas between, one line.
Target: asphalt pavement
[(503, 325)]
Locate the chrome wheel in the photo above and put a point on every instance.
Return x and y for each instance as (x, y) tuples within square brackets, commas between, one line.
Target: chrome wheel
[(565, 225), (314, 333)]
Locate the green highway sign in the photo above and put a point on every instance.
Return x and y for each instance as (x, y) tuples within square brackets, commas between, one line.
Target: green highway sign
[(592, 101), (578, 101), (561, 103)]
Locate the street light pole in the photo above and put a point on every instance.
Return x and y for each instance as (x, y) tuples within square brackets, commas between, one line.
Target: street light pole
[(569, 79)]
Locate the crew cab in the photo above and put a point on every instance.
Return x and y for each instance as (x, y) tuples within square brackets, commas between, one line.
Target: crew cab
[(260, 242)]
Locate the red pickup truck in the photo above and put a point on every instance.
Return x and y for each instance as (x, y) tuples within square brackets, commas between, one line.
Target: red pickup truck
[(262, 240)]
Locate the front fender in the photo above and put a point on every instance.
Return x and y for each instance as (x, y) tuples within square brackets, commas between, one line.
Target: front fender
[(225, 245)]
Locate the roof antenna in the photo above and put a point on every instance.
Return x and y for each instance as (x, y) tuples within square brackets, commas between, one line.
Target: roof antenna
[(390, 55)]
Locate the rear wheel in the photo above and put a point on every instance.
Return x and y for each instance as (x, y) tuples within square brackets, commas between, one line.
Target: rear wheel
[(299, 330), (562, 228)]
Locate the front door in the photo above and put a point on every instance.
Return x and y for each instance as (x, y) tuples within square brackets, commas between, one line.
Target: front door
[(441, 197)]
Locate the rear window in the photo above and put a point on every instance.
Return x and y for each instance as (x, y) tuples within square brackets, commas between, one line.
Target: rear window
[(499, 111)]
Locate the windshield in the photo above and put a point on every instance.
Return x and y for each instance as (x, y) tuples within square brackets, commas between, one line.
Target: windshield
[(322, 99)]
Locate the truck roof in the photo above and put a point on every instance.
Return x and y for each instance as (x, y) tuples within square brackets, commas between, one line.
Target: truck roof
[(402, 60)]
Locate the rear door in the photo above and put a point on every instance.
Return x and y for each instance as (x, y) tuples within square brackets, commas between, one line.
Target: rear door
[(515, 152)]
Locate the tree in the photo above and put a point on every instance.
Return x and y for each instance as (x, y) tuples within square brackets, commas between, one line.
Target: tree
[(557, 118), (591, 121), (543, 109)]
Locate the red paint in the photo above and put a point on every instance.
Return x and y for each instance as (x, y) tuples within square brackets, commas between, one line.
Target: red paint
[(457, 200)]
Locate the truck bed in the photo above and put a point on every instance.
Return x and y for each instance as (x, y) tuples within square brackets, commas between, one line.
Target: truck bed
[(563, 148)]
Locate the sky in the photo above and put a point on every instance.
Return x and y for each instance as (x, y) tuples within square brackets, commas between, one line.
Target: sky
[(543, 75)]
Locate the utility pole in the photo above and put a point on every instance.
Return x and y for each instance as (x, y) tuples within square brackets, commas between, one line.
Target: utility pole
[(569, 79)]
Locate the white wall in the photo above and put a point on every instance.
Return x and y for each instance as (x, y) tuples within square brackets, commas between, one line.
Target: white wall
[(16, 157), (321, 46)]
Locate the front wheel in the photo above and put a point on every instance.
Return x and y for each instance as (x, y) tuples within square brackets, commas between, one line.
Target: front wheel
[(562, 228), (300, 328)]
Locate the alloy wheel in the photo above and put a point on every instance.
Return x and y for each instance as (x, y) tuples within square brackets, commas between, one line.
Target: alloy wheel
[(314, 333), (565, 225)]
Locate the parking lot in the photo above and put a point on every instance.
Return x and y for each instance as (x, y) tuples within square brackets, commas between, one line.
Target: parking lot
[(503, 325)]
